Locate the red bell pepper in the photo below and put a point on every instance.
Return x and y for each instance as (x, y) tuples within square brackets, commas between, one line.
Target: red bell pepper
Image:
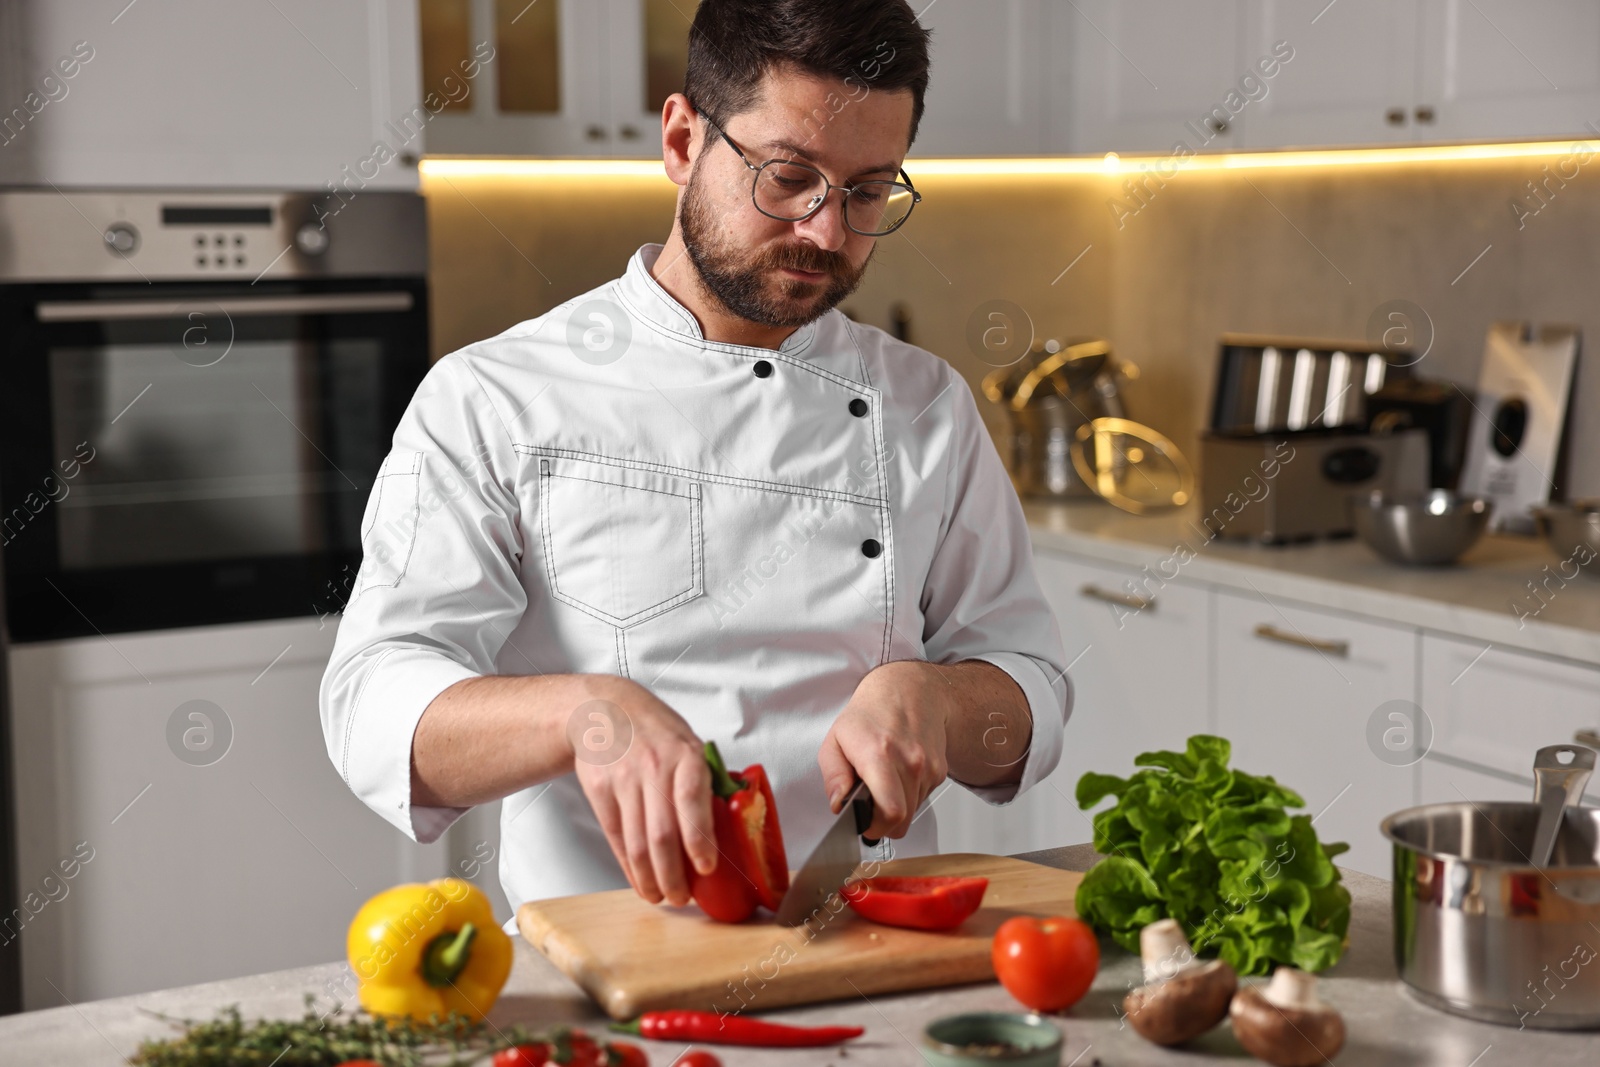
[(931, 903), (752, 868), (716, 1028)]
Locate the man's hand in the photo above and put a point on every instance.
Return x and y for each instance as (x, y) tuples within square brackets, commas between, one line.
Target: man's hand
[(910, 723), (892, 735), (654, 803)]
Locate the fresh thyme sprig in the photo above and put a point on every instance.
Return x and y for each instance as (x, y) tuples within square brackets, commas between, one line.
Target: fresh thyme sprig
[(331, 1038)]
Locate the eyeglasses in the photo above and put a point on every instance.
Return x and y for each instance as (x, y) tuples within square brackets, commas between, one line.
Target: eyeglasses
[(791, 191)]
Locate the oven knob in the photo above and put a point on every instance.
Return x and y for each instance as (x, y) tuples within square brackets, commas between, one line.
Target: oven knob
[(122, 238), (311, 239)]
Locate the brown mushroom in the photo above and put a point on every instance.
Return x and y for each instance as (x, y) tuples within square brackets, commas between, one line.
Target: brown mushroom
[(1284, 1023), (1182, 997)]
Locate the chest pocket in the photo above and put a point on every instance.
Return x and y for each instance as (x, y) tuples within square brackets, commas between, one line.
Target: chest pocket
[(620, 544)]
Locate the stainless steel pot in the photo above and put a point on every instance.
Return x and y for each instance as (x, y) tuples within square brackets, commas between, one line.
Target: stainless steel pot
[(1046, 399), (1481, 931)]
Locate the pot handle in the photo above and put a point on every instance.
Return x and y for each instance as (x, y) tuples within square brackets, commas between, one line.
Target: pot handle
[(1557, 786)]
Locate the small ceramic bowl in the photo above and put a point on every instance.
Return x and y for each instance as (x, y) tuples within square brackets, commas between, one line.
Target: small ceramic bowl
[(991, 1037)]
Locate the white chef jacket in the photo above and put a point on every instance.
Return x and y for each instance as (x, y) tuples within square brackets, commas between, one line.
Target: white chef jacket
[(745, 531)]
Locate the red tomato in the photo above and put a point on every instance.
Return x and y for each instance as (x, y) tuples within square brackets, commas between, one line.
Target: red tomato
[(697, 1057), (624, 1054), (1047, 964), (918, 903), (585, 1052), (522, 1056)]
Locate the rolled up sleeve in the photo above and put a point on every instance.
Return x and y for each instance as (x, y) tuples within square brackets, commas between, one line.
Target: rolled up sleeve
[(437, 594), (982, 600)]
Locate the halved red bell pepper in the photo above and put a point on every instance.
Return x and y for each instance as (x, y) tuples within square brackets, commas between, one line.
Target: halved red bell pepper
[(930, 903), (752, 868)]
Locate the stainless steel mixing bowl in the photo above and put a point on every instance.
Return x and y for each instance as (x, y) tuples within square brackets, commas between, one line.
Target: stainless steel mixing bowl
[(1426, 529), (1573, 531), (1480, 932)]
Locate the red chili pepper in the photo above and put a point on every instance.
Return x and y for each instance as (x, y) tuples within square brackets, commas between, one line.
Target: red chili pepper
[(714, 1028), (931, 903), (752, 868)]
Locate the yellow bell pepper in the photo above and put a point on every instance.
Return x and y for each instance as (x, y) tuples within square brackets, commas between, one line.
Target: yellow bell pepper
[(424, 950)]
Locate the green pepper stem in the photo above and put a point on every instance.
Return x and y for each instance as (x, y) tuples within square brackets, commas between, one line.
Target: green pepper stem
[(446, 956), (723, 784), (629, 1027)]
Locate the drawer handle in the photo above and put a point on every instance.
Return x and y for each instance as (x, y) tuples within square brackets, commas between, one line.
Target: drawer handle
[(1591, 738), (1127, 600), (1268, 632)]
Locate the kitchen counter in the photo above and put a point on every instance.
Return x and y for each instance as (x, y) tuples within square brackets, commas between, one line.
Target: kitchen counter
[(1478, 598), (1386, 1026)]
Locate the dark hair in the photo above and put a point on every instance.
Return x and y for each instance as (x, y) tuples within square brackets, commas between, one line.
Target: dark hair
[(875, 44)]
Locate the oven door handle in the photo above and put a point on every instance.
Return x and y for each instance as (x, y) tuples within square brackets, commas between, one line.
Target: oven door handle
[(240, 306)]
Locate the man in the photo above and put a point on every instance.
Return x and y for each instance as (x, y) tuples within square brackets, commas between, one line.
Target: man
[(700, 504)]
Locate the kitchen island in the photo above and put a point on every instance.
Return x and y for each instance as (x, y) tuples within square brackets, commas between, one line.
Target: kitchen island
[(1386, 1026)]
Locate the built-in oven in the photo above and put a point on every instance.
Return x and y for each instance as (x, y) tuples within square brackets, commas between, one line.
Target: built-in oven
[(196, 393)]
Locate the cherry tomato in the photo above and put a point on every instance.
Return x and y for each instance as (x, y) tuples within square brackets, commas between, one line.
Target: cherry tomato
[(697, 1057), (624, 1054), (1047, 964), (932, 903), (522, 1056), (585, 1052)]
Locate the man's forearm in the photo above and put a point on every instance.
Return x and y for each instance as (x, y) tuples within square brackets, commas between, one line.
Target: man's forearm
[(486, 738), (988, 734)]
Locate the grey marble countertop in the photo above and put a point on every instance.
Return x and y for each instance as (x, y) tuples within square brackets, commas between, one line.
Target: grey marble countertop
[(1386, 1026), (1478, 598)]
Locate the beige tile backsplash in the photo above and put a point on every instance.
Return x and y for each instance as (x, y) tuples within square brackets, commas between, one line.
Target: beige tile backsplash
[(1307, 251)]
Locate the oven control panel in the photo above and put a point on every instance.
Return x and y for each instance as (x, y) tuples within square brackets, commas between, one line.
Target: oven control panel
[(146, 236)]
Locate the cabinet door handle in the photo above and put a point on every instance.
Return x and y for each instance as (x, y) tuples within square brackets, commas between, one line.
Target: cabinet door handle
[(1424, 114), (1591, 738), (1395, 116), (595, 133), (1217, 125), (1268, 632), (1127, 600), (630, 133)]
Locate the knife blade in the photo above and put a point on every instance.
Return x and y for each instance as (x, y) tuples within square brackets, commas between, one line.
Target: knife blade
[(831, 863)]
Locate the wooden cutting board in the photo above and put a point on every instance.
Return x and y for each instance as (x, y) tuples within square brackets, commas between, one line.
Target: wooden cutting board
[(633, 957)]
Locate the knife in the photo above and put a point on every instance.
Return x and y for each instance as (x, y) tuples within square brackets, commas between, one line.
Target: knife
[(831, 863)]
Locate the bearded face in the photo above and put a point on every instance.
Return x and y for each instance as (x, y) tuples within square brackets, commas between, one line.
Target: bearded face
[(783, 283)]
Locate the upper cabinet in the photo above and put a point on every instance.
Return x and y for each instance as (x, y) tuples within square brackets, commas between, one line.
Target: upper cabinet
[(987, 95), (567, 77), (1148, 74), (295, 94), (1509, 69), (1049, 77), (1348, 77), (1144, 75)]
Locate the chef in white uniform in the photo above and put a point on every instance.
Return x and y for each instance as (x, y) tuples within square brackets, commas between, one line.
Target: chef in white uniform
[(698, 503)]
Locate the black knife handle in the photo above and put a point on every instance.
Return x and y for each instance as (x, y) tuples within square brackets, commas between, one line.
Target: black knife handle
[(862, 806)]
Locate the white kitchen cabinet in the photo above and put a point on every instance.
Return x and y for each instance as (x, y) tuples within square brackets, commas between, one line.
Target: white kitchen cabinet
[(1145, 75), (1493, 707), (1140, 676), (1445, 781), (987, 93), (1296, 689), (1362, 72), (294, 94), (569, 77), (249, 855), (1351, 78), (542, 94), (1509, 69)]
